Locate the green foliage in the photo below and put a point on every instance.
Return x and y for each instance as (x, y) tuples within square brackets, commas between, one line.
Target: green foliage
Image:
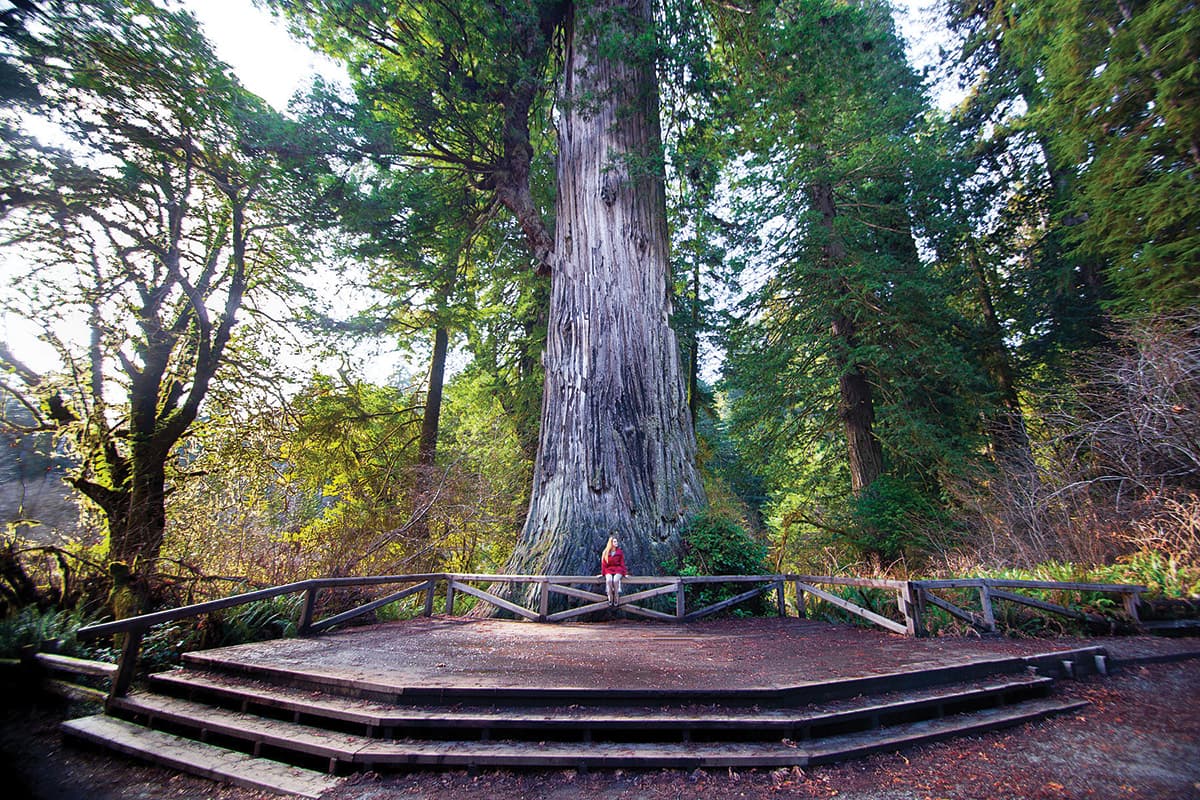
[(832, 187), (715, 545), (260, 620), (891, 516), (31, 626)]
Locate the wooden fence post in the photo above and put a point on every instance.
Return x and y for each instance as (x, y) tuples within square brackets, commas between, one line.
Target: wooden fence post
[(432, 585), (1131, 600), (543, 600), (449, 596), (801, 610), (127, 664), (910, 606), (680, 600), (985, 603), (304, 626), (780, 600)]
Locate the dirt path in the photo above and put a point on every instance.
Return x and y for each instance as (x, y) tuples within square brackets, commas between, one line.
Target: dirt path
[(1140, 738)]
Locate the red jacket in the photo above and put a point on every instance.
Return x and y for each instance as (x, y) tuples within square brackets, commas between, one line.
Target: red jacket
[(613, 563)]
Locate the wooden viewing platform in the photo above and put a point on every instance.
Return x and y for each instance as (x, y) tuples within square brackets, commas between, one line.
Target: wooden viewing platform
[(912, 600), (439, 692), (444, 691)]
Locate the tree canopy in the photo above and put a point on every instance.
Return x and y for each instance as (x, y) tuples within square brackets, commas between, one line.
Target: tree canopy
[(646, 260)]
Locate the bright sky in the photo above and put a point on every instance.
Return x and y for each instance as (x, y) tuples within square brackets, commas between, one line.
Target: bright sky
[(273, 66), (260, 50)]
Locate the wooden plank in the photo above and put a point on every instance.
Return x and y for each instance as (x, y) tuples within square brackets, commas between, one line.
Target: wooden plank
[(127, 663), (543, 599), (77, 666), (375, 580), (429, 590), (146, 621), (449, 597), (338, 619), (910, 607), (690, 579), (1067, 585), (801, 611), (290, 736), (494, 600), (578, 594), (883, 622), (724, 604), (680, 600), (1043, 605), (890, 739), (946, 605), (211, 762), (649, 613), (73, 691), (863, 583), (971, 583), (637, 597), (780, 599), (1130, 600), (579, 611), (985, 605), (951, 583), (307, 611)]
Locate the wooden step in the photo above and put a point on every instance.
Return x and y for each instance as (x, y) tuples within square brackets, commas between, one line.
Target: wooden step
[(380, 755), (198, 758), (76, 666), (374, 719), (797, 694), (343, 749), (890, 739)]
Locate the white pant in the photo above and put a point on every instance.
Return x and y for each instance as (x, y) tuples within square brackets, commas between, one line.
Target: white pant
[(613, 583)]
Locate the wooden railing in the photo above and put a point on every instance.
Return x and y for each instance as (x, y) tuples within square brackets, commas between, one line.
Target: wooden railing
[(912, 600)]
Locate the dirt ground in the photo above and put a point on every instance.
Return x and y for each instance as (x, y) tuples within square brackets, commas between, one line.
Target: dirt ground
[(1139, 738)]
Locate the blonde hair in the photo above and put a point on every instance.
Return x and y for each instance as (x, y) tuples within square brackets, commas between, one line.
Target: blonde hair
[(608, 548)]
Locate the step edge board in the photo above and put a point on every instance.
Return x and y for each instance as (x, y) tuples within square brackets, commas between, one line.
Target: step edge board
[(499, 721), (226, 772)]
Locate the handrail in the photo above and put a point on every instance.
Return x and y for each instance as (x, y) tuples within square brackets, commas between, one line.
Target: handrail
[(911, 599), (144, 622)]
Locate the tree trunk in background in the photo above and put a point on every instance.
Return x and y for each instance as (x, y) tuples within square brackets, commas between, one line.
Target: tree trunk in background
[(1010, 437), (616, 453), (427, 448), (856, 407)]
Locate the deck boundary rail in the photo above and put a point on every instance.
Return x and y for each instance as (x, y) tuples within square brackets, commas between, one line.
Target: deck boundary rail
[(912, 601)]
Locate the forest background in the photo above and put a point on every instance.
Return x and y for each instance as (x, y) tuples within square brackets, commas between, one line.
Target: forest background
[(915, 341)]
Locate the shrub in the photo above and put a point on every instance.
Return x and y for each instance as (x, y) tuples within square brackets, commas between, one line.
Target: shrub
[(715, 545)]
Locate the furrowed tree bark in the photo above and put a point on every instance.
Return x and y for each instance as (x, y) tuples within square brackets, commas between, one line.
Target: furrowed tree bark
[(616, 452)]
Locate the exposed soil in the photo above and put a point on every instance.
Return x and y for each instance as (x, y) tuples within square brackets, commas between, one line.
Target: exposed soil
[(1139, 738)]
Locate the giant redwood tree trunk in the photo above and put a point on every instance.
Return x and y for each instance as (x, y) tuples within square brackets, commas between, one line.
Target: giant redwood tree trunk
[(616, 454)]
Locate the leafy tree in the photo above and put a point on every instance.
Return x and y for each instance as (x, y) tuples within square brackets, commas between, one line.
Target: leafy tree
[(1125, 114), (166, 208), (849, 336), (467, 87)]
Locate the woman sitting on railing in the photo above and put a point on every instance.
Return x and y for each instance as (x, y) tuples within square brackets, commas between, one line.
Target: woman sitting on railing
[(612, 567)]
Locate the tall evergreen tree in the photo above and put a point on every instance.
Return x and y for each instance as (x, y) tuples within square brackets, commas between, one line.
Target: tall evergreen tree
[(849, 333), (468, 88)]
